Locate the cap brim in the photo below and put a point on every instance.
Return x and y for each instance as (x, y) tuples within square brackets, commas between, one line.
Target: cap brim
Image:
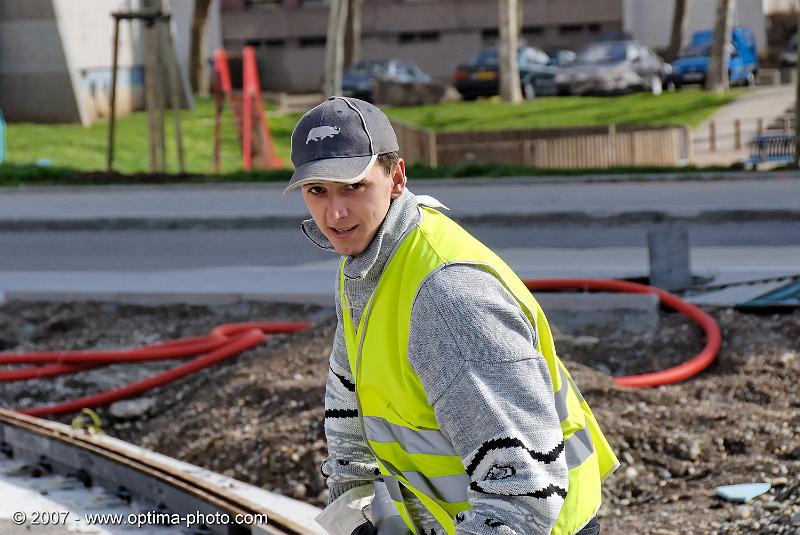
[(341, 170)]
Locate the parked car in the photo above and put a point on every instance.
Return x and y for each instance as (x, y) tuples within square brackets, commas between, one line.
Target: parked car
[(479, 76), (789, 55), (613, 67), (692, 65), (561, 57), (358, 79)]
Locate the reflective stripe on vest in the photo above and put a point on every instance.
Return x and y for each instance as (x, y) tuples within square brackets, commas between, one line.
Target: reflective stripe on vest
[(400, 425)]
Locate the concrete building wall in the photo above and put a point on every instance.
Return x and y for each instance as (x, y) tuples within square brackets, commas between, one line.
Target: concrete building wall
[(650, 21), (56, 57), (436, 35), (89, 55), (35, 83)]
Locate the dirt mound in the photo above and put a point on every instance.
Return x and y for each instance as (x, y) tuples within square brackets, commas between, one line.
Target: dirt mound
[(259, 417)]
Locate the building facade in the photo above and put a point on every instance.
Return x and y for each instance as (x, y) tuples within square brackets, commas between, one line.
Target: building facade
[(289, 35), (56, 57), (650, 21)]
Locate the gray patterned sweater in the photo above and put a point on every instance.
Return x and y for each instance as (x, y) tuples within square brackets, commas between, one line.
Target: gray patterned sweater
[(473, 349)]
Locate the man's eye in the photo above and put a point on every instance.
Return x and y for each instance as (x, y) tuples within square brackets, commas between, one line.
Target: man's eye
[(316, 190), (357, 185)]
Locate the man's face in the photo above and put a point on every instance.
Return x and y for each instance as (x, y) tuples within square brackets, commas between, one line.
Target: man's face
[(350, 214)]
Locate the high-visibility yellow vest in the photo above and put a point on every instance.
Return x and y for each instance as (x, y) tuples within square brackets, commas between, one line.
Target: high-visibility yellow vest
[(398, 422)]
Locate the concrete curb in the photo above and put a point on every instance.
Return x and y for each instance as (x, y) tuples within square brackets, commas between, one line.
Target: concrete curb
[(504, 219), (698, 176)]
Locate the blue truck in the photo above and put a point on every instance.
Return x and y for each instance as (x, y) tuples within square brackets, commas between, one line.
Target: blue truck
[(692, 65)]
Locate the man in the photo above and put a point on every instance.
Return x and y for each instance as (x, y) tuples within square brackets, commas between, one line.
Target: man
[(446, 407)]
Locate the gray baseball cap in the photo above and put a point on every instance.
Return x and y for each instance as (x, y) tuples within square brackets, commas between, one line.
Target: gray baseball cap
[(339, 141)]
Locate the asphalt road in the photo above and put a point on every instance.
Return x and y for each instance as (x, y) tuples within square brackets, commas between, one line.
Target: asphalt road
[(153, 250)]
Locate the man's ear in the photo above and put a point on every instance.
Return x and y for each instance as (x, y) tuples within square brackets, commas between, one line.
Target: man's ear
[(398, 178)]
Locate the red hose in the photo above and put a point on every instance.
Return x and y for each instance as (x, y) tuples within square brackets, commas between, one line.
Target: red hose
[(225, 341), (683, 371), (222, 342)]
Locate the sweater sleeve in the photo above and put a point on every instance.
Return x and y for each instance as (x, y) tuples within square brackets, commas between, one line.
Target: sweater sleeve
[(350, 463), (473, 349)]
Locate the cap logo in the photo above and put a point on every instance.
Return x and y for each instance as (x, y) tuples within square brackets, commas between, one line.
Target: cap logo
[(321, 132)]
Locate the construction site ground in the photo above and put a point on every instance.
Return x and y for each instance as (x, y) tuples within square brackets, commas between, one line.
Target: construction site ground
[(259, 416)]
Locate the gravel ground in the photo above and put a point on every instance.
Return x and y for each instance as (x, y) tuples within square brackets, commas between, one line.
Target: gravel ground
[(258, 417)]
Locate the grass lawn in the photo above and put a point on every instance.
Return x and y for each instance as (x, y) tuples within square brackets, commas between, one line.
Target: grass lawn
[(73, 146), (689, 107), (77, 148)]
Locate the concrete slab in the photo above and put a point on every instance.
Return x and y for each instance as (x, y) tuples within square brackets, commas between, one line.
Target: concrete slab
[(576, 313)]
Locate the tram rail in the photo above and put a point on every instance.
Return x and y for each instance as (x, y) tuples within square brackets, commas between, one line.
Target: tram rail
[(129, 471)]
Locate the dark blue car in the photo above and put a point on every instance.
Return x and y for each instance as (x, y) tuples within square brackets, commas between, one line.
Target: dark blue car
[(692, 66), (480, 75)]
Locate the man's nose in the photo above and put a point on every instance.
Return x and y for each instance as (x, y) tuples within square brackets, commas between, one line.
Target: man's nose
[(337, 209)]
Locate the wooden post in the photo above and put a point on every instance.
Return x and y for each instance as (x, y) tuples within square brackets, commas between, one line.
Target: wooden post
[(737, 134), (687, 143), (760, 126), (712, 136), (219, 99), (432, 149), (150, 96), (174, 81), (160, 81), (112, 104), (527, 152)]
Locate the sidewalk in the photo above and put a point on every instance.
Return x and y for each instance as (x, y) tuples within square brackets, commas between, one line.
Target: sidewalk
[(765, 103)]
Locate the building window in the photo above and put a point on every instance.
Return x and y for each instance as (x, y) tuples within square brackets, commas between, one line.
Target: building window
[(312, 41), (533, 30), (429, 37), (594, 28), (565, 29), (269, 43), (405, 38), (251, 3), (489, 36)]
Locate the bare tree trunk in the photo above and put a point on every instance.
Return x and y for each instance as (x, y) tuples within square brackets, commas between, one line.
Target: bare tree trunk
[(717, 77), (680, 23), (509, 42), (198, 69), (334, 47), (352, 37)]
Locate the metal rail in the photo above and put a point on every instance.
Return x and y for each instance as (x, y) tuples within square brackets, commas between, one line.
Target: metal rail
[(131, 471)]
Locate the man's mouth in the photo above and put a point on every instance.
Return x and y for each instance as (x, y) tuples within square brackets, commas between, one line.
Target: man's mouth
[(343, 231)]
